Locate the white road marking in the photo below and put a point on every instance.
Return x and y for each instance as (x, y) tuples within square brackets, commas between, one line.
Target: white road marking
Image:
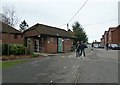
[(65, 67)]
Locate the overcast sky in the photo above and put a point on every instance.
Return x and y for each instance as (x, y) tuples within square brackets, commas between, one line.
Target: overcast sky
[(95, 17)]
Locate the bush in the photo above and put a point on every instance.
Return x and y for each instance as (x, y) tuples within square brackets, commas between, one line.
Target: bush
[(4, 49), (21, 49), (15, 49)]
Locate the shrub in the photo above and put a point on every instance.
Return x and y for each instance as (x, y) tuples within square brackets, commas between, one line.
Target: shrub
[(15, 49), (4, 49), (21, 49)]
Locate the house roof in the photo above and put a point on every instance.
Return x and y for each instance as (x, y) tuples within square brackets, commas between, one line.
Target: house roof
[(8, 29), (111, 29), (118, 27), (48, 30), (106, 32)]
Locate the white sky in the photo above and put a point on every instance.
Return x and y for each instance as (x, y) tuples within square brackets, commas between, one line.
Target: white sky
[(95, 17)]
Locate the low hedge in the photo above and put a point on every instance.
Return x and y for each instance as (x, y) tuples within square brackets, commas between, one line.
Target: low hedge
[(13, 49)]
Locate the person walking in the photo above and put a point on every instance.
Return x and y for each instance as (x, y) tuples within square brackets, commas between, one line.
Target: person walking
[(77, 49), (82, 48), (92, 46), (107, 46)]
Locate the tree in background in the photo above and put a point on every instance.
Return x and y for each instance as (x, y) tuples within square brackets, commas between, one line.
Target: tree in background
[(79, 33), (10, 17), (23, 26)]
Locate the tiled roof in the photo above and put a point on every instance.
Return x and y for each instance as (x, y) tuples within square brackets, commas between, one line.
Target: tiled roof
[(4, 28), (48, 30)]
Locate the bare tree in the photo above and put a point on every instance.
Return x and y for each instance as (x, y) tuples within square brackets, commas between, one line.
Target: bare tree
[(9, 15)]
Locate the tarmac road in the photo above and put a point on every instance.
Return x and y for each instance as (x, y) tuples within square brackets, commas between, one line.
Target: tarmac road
[(99, 66)]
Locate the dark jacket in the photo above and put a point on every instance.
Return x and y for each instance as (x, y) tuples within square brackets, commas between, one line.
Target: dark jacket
[(82, 46)]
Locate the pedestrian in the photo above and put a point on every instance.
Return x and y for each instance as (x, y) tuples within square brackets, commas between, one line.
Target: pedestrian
[(107, 46), (77, 49), (92, 46), (82, 48)]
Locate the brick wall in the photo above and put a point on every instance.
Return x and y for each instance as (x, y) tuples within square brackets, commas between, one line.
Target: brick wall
[(110, 35), (12, 39), (67, 44), (119, 35), (106, 37), (115, 36), (102, 41), (51, 45)]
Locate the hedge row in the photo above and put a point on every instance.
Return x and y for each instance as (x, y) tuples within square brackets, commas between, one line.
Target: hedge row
[(13, 49)]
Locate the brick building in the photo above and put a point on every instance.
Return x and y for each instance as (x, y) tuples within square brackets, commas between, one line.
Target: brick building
[(105, 37), (112, 36), (9, 35), (43, 38), (116, 35), (102, 43)]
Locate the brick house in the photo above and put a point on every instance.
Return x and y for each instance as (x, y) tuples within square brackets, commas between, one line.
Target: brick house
[(43, 38), (102, 43), (105, 37), (111, 35), (9, 35), (116, 35)]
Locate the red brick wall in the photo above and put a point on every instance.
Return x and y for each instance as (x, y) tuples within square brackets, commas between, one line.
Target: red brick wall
[(106, 38), (9, 39), (51, 45), (67, 44), (110, 36), (115, 36), (119, 35), (102, 41)]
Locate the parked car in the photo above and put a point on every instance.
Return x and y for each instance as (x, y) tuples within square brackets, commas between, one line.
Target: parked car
[(101, 46), (114, 47)]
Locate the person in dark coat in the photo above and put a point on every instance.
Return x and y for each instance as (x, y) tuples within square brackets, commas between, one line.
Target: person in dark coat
[(77, 49), (92, 46), (82, 48), (107, 46)]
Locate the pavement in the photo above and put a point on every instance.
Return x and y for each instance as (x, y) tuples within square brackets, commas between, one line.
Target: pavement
[(99, 66)]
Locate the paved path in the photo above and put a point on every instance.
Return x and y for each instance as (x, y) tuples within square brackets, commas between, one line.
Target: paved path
[(99, 66)]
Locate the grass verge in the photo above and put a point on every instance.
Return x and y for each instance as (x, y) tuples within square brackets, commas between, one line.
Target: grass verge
[(8, 64)]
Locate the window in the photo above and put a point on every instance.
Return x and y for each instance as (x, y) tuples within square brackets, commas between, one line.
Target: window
[(15, 36), (28, 41)]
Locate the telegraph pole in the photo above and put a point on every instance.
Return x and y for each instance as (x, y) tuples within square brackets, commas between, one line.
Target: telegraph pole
[(67, 26)]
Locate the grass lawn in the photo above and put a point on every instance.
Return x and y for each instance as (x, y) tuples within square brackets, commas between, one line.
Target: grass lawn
[(8, 64)]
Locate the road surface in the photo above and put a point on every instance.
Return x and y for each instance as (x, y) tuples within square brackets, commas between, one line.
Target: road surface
[(99, 66)]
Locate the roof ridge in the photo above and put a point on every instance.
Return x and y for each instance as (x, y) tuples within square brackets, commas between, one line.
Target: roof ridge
[(51, 26), (9, 27)]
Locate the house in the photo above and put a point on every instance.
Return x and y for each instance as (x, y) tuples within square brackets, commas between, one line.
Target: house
[(105, 37), (48, 39), (116, 35), (102, 43), (9, 35), (111, 35)]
